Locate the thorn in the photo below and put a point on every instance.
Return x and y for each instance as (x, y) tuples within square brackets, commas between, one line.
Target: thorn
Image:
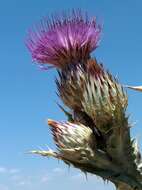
[(44, 153), (68, 168), (86, 176), (50, 121), (138, 88)]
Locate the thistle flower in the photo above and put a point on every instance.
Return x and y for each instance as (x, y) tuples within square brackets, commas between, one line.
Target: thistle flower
[(91, 89), (72, 140), (77, 146), (104, 99), (97, 138), (63, 40)]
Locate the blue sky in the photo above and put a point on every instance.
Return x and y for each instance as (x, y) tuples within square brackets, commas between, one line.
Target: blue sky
[(27, 94)]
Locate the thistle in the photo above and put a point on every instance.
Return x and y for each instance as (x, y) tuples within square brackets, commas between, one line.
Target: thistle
[(96, 138), (64, 39)]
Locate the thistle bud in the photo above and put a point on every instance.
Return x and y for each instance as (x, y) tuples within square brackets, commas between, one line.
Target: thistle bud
[(89, 88), (72, 139), (104, 99)]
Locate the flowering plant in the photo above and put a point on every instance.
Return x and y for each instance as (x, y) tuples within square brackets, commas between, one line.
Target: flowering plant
[(96, 138)]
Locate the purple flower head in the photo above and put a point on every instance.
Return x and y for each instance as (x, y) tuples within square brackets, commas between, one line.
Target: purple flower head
[(64, 39)]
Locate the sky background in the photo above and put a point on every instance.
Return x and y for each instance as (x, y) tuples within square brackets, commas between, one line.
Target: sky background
[(27, 94)]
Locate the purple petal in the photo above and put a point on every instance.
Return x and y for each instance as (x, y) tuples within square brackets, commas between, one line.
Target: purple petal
[(64, 40)]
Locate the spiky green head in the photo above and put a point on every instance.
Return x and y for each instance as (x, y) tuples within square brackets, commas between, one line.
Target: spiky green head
[(87, 87)]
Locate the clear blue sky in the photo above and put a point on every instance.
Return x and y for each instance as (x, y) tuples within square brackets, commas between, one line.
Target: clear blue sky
[(27, 94)]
